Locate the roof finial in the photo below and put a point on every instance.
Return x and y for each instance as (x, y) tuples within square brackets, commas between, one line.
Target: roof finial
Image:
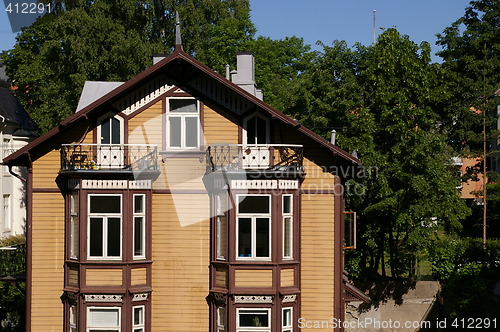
[(178, 40)]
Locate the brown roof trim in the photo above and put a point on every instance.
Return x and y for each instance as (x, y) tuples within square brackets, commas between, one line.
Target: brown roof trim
[(84, 111), (179, 54), (352, 293)]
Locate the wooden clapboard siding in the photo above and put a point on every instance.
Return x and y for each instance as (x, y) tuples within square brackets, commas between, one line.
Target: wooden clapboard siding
[(181, 258), (185, 173), (253, 278), (89, 137), (104, 277), (221, 277), (146, 126), (45, 170), (74, 276), (316, 178), (287, 278), (317, 265), (47, 262), (219, 127), (138, 276)]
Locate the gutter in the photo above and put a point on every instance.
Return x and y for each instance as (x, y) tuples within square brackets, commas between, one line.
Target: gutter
[(17, 175)]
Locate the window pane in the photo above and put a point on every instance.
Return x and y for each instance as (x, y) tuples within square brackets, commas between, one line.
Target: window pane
[(191, 132), (138, 203), (262, 237), (183, 106), (287, 204), (253, 204), (105, 131), (138, 236), (96, 237), (114, 237), (138, 315), (253, 319), (175, 131), (244, 237), (74, 237), (251, 131), (287, 318), (105, 204), (221, 237), (261, 131), (103, 317), (287, 237), (115, 131)]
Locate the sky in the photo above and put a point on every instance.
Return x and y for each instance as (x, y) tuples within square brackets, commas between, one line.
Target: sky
[(329, 20)]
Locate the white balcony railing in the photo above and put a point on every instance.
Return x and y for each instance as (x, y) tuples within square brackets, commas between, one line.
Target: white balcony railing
[(126, 157), (240, 157)]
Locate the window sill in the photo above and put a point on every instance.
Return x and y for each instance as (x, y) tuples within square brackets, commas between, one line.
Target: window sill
[(182, 153)]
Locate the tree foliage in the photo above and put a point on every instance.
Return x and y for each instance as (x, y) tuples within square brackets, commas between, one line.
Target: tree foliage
[(386, 101), (471, 57)]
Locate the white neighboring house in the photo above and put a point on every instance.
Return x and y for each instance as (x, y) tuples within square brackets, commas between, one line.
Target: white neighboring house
[(16, 130)]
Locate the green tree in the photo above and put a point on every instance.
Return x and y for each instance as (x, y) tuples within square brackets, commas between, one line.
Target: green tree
[(385, 101), (471, 57), (279, 64), (114, 40)]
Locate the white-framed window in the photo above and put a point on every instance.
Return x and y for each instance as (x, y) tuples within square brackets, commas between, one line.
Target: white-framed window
[(104, 226), (139, 229), (6, 213), (138, 318), (287, 214), (74, 226), (110, 129), (73, 318), (256, 129), (183, 124), (221, 207), (101, 319), (253, 320), (287, 319), (253, 227), (221, 319)]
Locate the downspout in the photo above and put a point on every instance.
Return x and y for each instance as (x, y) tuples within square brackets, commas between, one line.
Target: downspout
[(16, 175)]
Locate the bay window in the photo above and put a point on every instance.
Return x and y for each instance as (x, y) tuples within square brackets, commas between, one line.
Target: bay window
[(138, 318), (139, 227), (221, 319), (287, 319), (74, 227), (105, 227), (221, 207), (101, 319), (253, 319), (253, 227), (287, 213)]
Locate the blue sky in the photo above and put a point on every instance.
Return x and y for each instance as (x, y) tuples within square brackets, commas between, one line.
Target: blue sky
[(329, 20)]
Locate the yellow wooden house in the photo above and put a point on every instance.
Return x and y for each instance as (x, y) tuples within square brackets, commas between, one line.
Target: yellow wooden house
[(180, 201)]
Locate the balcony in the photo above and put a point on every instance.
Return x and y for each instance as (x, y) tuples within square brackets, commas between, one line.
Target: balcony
[(109, 157), (257, 157)]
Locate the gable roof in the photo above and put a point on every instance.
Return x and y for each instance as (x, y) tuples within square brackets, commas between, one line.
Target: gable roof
[(182, 68)]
